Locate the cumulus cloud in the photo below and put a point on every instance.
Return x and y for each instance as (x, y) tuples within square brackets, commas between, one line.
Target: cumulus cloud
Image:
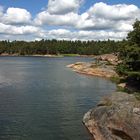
[(113, 12), (100, 22), (86, 22), (18, 30), (16, 16), (45, 17), (84, 35), (100, 16), (63, 6), (60, 12)]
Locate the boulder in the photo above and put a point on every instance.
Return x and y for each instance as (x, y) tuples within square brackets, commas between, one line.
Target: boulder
[(111, 58), (116, 117)]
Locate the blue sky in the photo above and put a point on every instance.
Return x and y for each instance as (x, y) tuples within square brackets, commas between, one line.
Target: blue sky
[(34, 6), (67, 19)]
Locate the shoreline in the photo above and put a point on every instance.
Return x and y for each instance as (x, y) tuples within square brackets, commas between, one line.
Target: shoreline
[(110, 118), (103, 66), (92, 69), (36, 55), (47, 55)]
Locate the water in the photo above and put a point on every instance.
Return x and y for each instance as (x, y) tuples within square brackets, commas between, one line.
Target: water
[(41, 99)]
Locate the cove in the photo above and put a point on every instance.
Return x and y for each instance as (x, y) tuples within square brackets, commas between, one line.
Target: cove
[(42, 99)]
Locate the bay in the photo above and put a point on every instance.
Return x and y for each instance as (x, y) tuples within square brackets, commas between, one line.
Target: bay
[(42, 99)]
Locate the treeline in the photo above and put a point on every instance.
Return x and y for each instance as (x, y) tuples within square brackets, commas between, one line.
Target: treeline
[(59, 47)]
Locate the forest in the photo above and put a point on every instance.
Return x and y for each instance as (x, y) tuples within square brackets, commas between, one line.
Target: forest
[(59, 47)]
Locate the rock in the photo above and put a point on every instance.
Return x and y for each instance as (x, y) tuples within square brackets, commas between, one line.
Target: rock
[(122, 85), (116, 117), (136, 110), (93, 69), (111, 58)]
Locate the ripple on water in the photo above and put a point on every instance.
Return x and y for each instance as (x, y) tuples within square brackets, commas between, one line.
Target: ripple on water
[(41, 99)]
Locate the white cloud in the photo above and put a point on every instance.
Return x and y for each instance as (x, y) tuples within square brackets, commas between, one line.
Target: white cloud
[(124, 26), (100, 22), (16, 16), (63, 6), (59, 12), (109, 17), (59, 32), (89, 23), (61, 20), (18, 30), (113, 12), (84, 35), (100, 16)]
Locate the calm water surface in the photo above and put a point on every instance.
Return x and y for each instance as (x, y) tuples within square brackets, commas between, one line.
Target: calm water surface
[(41, 99)]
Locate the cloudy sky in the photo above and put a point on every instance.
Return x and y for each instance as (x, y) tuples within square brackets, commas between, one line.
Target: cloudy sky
[(67, 19)]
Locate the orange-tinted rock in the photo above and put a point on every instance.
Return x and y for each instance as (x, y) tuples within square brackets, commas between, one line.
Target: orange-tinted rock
[(93, 69), (116, 117)]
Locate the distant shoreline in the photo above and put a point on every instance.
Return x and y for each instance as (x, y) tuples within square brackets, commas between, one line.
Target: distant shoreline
[(46, 55)]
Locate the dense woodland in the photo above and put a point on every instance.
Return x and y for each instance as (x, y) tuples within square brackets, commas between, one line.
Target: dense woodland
[(58, 47), (128, 50)]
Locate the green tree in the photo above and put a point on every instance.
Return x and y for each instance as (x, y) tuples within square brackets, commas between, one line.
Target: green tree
[(130, 56), (134, 36)]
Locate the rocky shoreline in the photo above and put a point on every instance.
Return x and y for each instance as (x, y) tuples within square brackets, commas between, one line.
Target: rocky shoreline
[(103, 66), (116, 117), (93, 69)]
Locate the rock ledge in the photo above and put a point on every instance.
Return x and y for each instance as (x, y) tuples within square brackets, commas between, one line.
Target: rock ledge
[(93, 69), (116, 117)]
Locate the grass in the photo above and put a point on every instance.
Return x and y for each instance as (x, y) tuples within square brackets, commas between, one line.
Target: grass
[(115, 79), (70, 55)]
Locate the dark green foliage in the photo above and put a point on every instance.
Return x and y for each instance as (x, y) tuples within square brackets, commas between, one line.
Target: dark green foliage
[(115, 79), (59, 47), (122, 68), (130, 56), (134, 36)]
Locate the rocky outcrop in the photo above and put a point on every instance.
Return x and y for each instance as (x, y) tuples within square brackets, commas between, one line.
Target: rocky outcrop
[(111, 58), (94, 69), (116, 117), (7, 54)]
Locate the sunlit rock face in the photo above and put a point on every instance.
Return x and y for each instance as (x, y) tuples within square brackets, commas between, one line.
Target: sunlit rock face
[(116, 117)]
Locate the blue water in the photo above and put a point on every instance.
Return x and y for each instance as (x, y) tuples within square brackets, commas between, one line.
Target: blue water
[(42, 99)]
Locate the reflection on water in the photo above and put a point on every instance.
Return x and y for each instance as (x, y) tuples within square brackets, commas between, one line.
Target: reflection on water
[(41, 99)]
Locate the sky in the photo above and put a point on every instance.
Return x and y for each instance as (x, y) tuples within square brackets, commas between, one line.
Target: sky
[(67, 19)]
